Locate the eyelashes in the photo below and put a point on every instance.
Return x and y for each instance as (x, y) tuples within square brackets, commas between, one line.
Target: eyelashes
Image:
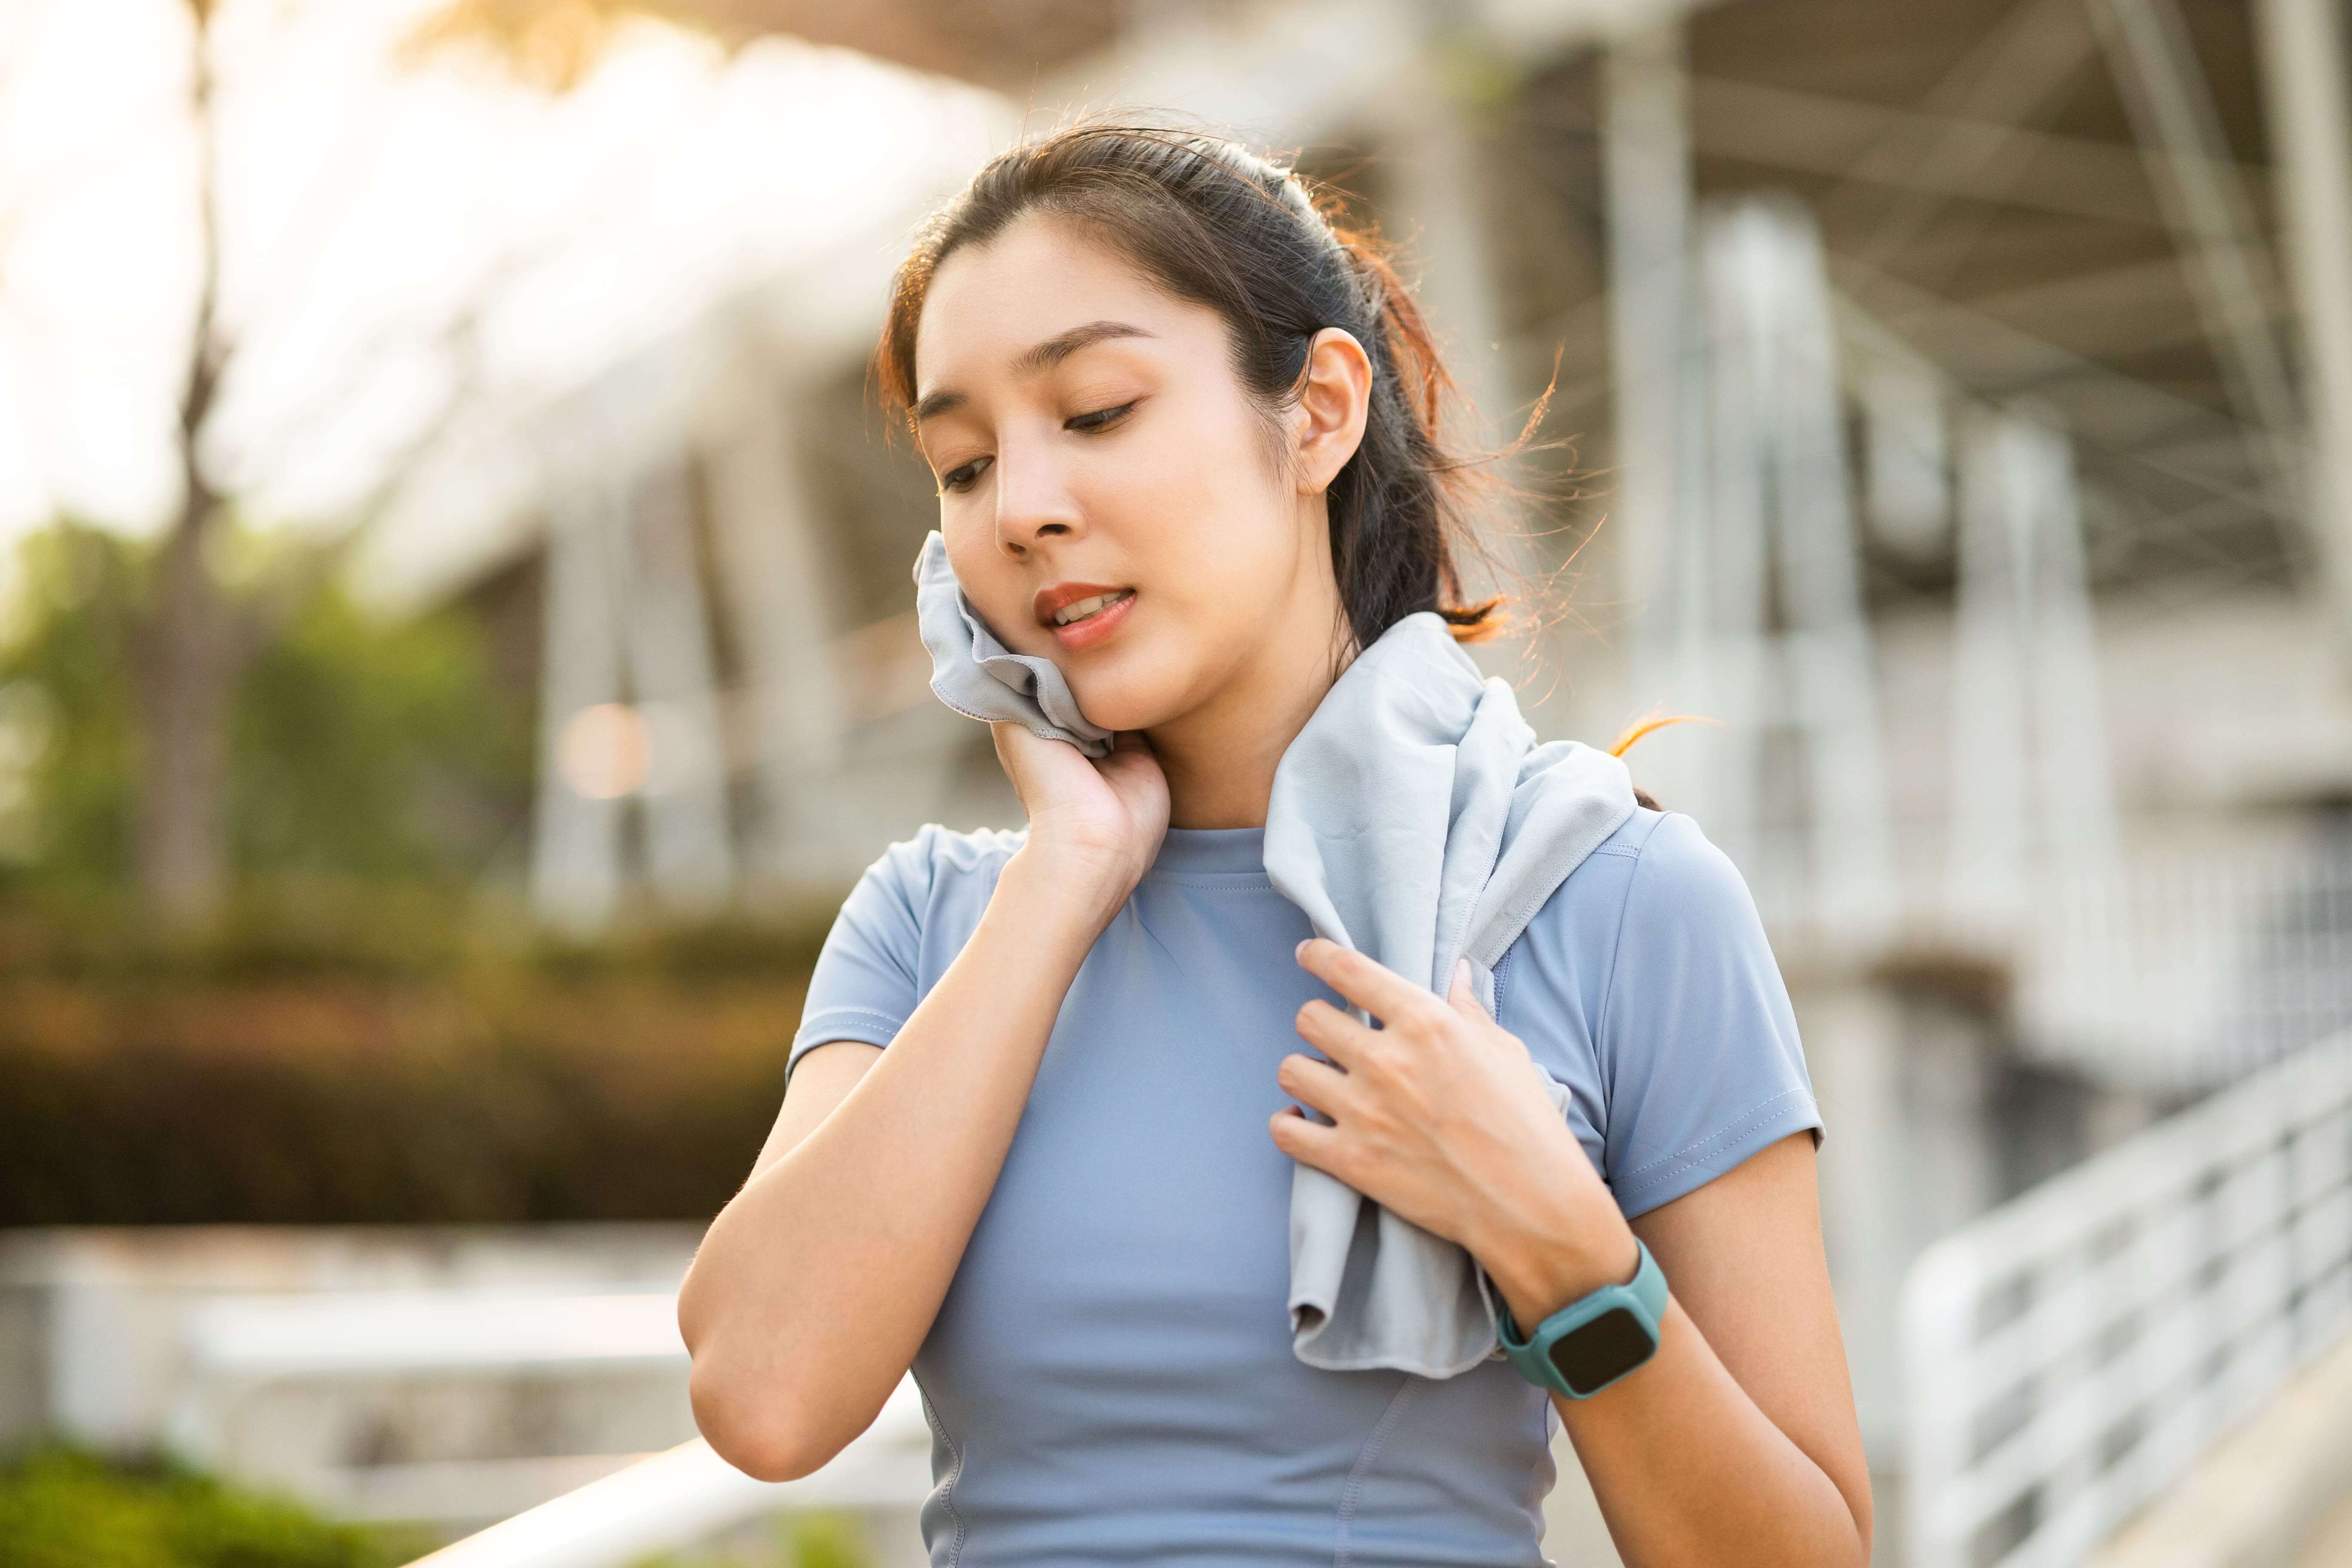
[(962, 478), (1099, 420)]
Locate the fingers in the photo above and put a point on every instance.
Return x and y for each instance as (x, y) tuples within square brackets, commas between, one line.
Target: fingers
[(1336, 1034), (1313, 1083), (1463, 998), (1309, 1142), (1019, 749), (1383, 993)]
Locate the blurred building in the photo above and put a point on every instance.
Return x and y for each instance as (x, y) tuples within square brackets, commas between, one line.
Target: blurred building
[(1954, 401)]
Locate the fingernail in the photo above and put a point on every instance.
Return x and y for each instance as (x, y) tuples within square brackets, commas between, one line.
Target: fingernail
[(1300, 950)]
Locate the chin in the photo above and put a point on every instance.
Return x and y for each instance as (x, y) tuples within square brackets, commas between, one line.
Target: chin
[(1118, 700)]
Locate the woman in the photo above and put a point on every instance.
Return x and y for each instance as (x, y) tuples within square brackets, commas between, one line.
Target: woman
[(1044, 1109)]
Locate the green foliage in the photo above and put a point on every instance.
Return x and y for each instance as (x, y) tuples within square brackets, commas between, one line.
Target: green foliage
[(63, 1509), (372, 747), (500, 1094), (361, 746), (801, 1541), (826, 1541), (65, 707)]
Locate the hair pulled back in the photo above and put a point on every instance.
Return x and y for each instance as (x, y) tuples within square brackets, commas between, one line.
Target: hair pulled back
[(1213, 224)]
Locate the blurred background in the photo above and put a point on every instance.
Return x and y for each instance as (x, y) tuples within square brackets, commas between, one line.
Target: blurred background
[(457, 646)]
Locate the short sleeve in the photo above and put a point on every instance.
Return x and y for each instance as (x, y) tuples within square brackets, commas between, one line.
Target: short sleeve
[(867, 980), (1696, 1043)]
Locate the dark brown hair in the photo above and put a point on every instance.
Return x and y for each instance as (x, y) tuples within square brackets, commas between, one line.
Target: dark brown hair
[(1213, 224)]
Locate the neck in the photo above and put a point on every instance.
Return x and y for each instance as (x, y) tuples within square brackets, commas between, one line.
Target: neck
[(1220, 758)]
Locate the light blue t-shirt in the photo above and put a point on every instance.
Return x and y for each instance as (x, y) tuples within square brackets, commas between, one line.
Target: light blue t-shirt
[(1110, 1378)]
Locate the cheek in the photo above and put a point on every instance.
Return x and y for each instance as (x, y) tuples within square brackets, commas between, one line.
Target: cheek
[(995, 587), (1214, 546)]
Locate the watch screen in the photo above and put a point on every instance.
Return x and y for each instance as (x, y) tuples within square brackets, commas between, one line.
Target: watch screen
[(1596, 1353)]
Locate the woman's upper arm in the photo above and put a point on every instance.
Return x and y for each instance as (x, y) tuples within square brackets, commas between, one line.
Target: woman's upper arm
[(822, 1080), (1743, 1256), (862, 988)]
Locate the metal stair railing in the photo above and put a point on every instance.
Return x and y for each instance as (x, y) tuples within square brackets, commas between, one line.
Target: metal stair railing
[(2075, 1351), (688, 1494)]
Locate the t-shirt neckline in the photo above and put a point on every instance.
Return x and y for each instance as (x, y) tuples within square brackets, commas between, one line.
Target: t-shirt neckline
[(1194, 851)]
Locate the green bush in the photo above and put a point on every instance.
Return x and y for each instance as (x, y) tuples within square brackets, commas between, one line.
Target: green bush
[(62, 1508), (500, 1094), (364, 1034), (803, 1540)]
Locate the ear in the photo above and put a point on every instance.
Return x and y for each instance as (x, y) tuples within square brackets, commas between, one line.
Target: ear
[(1337, 395)]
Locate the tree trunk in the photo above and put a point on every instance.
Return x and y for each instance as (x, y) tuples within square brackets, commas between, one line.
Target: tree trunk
[(188, 644), (186, 672)]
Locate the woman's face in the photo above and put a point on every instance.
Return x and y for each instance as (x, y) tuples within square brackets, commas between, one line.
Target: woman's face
[(1110, 497)]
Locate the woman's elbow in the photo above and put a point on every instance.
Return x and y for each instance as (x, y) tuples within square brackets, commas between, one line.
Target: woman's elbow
[(759, 1430)]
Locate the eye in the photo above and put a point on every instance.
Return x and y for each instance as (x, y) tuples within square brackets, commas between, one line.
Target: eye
[(1099, 420), (960, 480)]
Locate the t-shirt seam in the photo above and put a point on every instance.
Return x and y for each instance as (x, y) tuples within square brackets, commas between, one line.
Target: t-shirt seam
[(1691, 1154), (1344, 1546), (1600, 1019), (955, 1473), (845, 1011)]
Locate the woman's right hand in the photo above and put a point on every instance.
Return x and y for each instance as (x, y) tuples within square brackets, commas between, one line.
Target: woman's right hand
[(1100, 821)]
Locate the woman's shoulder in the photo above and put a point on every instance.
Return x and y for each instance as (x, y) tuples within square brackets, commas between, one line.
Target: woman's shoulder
[(1657, 878), (1656, 861), (899, 927), (937, 859)]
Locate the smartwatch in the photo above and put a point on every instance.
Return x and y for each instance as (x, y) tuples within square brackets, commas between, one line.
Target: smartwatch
[(1590, 1343)]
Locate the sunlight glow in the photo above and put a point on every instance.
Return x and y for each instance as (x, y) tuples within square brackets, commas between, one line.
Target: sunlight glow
[(398, 239)]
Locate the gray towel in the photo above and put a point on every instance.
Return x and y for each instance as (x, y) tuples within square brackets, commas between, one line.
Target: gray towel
[(979, 677), (1408, 738)]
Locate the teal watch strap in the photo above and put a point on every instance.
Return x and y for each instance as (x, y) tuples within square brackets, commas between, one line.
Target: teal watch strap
[(1590, 1343)]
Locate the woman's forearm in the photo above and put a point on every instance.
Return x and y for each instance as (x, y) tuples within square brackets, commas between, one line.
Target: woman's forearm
[(1689, 1467), (1690, 1471), (817, 1283)]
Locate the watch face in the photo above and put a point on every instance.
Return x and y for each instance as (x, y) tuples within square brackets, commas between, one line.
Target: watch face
[(1595, 1354)]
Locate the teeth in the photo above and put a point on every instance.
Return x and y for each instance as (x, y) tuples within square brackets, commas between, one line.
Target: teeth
[(1084, 607)]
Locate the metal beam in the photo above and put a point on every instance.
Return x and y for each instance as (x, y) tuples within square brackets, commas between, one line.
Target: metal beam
[(690, 849), (1646, 149), (576, 856), (2303, 76), (2012, 79), (1868, 144), (2172, 112)]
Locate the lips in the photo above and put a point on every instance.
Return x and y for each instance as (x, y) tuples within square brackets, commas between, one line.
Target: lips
[(1082, 614), (1069, 615)]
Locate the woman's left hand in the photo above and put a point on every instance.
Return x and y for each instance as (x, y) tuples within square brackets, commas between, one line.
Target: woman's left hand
[(1441, 1118)]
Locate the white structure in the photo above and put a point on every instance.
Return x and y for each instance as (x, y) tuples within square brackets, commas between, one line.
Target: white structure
[(1993, 778), (2029, 755), (2073, 1354)]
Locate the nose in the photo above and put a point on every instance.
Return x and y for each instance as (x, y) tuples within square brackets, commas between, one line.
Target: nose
[(1033, 503)]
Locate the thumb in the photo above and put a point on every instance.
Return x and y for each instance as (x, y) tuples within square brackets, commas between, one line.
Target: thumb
[(1462, 995)]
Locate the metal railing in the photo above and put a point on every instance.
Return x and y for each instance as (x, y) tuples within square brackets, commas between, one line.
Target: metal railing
[(241, 1348), (2187, 971), (613, 1508), (690, 1494), (2075, 1351)]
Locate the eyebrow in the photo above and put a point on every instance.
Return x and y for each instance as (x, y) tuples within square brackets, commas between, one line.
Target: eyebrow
[(1043, 356)]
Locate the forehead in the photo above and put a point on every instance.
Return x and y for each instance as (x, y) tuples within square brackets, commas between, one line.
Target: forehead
[(1038, 278)]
